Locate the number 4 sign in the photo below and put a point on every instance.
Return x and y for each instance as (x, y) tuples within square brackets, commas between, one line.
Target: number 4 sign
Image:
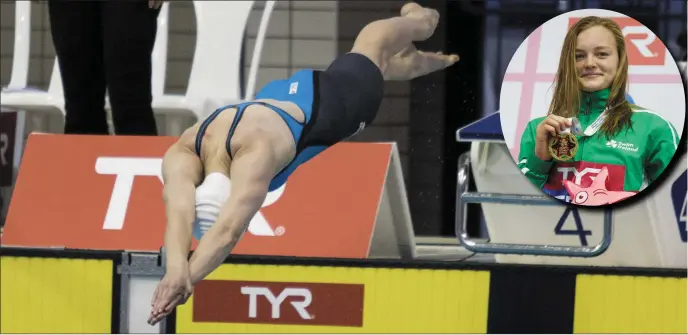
[(680, 200), (579, 231)]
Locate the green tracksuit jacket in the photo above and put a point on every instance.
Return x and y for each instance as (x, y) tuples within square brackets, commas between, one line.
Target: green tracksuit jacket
[(633, 158)]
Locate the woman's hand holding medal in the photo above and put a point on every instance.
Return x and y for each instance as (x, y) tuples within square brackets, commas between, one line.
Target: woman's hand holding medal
[(554, 140)]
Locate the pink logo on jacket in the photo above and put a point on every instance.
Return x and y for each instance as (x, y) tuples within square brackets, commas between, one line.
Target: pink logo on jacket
[(597, 193)]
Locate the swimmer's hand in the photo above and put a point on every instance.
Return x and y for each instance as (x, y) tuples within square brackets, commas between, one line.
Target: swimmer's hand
[(174, 289)]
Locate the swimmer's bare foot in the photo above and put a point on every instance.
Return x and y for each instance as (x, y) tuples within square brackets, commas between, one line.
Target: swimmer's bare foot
[(413, 7), (412, 63), (438, 60), (413, 10)]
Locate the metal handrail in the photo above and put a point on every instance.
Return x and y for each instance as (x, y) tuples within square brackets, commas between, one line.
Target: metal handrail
[(463, 198)]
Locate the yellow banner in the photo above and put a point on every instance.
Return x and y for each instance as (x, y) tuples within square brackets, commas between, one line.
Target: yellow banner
[(240, 298), (629, 304), (55, 295)]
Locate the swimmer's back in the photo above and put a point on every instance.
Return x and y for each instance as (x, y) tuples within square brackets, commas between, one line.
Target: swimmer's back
[(309, 112), (257, 123)]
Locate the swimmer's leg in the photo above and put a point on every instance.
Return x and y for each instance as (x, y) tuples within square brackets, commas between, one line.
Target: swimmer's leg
[(389, 44)]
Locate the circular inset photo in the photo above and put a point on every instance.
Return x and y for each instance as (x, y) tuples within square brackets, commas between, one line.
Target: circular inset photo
[(592, 107)]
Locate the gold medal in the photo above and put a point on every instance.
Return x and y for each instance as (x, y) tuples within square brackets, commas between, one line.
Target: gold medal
[(563, 147)]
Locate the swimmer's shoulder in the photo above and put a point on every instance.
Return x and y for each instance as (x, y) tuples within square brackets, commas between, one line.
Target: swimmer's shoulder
[(646, 115), (652, 121), (187, 139)]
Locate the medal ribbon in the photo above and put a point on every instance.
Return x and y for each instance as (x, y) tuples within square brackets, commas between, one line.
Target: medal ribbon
[(592, 129)]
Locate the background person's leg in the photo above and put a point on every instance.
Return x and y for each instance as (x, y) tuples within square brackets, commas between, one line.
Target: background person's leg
[(76, 34), (129, 29)]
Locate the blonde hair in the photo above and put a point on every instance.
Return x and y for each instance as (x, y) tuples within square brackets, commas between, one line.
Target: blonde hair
[(567, 93)]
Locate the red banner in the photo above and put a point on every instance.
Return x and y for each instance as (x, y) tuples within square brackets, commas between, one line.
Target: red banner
[(229, 301), (105, 193)]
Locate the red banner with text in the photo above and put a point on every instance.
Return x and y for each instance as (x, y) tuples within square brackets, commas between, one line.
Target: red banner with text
[(105, 193)]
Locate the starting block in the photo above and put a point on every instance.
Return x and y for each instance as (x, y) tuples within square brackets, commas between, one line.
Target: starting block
[(648, 233), (105, 193)]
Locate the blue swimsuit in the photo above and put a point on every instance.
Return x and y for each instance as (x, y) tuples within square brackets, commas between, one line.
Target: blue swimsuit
[(299, 89)]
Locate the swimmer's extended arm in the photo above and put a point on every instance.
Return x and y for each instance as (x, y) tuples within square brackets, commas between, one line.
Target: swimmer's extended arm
[(182, 172), (251, 171)]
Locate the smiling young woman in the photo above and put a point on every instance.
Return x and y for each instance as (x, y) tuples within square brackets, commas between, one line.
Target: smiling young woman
[(592, 125)]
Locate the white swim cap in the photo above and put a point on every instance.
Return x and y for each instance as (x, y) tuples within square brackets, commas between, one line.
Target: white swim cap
[(211, 195)]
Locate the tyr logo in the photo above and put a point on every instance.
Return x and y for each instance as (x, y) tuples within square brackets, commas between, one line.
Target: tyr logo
[(128, 168), (276, 301), (583, 174), (570, 173)]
